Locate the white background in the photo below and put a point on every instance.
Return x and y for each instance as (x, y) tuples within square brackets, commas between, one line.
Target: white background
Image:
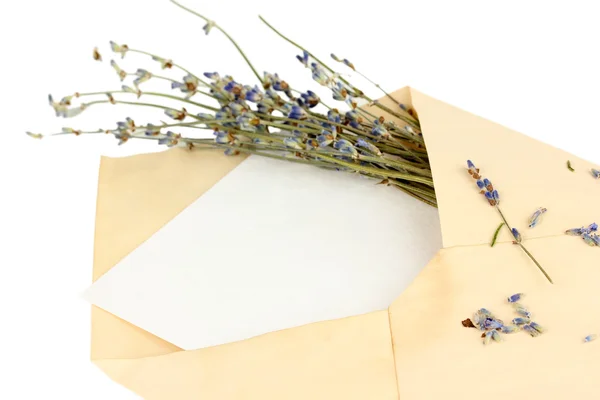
[(532, 66)]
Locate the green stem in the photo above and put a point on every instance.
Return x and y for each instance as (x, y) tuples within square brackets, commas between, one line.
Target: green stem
[(175, 65), (239, 49), (523, 247), (409, 120), (175, 80), (377, 86), (168, 96)]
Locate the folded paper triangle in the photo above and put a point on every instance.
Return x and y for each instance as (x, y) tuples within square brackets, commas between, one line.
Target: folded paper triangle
[(417, 349)]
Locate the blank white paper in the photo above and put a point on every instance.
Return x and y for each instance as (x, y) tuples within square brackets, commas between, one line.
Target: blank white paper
[(273, 245)]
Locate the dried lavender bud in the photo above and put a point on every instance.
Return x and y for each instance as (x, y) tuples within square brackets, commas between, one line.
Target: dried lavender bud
[(537, 327), (510, 329), (515, 297), (590, 338), (535, 218), (522, 311), (529, 329), (521, 320)]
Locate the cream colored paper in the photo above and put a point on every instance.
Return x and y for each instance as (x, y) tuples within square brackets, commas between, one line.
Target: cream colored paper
[(424, 352)]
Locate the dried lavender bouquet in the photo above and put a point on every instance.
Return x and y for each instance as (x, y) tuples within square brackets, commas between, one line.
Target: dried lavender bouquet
[(270, 119)]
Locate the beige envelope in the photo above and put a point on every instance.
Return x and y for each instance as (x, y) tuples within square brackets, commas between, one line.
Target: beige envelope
[(418, 348)]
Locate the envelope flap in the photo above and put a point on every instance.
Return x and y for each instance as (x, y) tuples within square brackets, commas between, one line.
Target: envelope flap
[(349, 359), (527, 173), (136, 197)]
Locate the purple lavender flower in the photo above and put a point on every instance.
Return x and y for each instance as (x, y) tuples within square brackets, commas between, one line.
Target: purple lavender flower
[(304, 58), (540, 329), (310, 98), (590, 338), (473, 170), (209, 25), (535, 218), (596, 173), (369, 146), (344, 146), (531, 330), (233, 87), (488, 185), (517, 235), (491, 323), (297, 112), (212, 75), (255, 95), (510, 329), (176, 114), (334, 116), (515, 297), (589, 239), (575, 231), (293, 143), (223, 137), (481, 186), (522, 311), (496, 196), (490, 198), (142, 76), (520, 321)]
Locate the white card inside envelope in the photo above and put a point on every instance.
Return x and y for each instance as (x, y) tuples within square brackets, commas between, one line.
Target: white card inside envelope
[(273, 245)]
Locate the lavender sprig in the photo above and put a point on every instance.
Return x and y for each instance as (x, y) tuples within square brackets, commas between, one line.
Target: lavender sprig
[(491, 194)]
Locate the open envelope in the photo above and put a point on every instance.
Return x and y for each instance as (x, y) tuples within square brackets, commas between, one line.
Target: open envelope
[(417, 349)]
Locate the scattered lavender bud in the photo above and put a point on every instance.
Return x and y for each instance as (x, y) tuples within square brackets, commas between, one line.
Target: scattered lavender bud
[(575, 231), (535, 218), (491, 323), (510, 329), (540, 329), (487, 337), (589, 239), (529, 329), (522, 311), (590, 338), (595, 173), (521, 321), (496, 336), (515, 297)]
